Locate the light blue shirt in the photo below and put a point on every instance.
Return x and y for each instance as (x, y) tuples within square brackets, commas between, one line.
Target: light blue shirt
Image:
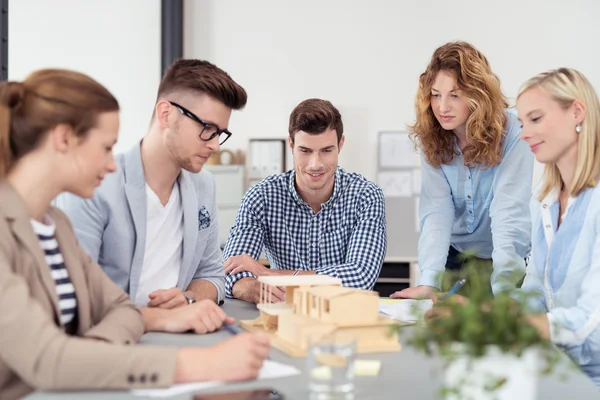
[(478, 209), (564, 275)]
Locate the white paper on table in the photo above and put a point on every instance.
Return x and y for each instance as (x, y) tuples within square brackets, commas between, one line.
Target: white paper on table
[(397, 150), (395, 183), (276, 158), (405, 310), (270, 369), (256, 159)]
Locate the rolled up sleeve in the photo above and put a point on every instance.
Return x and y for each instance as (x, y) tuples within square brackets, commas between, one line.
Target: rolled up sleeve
[(247, 234)]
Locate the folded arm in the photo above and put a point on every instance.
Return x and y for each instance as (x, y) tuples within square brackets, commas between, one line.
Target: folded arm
[(246, 236), (366, 248)]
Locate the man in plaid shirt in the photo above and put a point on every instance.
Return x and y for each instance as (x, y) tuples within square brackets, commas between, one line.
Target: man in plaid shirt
[(314, 219)]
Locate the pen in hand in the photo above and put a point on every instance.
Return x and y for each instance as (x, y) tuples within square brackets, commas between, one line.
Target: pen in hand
[(454, 289), (231, 329), (234, 331)]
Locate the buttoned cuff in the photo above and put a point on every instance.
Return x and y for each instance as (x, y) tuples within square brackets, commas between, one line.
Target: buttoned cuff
[(152, 367), (230, 281), (329, 271)]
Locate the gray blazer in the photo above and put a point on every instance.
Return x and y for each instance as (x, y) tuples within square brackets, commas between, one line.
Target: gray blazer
[(111, 226)]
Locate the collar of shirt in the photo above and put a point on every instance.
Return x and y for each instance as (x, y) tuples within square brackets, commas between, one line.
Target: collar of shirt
[(337, 189), (46, 228)]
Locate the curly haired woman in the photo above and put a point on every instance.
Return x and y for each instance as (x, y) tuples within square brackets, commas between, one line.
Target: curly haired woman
[(476, 174)]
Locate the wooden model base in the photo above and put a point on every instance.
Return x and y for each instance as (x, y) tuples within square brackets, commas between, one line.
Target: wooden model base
[(364, 345)]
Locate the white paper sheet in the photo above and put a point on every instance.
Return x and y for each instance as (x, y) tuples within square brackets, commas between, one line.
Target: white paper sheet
[(405, 310), (256, 159), (397, 150), (395, 183), (270, 369)]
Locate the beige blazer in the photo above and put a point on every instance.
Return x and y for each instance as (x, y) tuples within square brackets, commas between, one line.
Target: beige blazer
[(35, 352)]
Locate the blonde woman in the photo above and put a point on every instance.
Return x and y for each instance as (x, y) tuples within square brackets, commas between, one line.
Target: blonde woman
[(476, 173), (560, 113), (64, 324)]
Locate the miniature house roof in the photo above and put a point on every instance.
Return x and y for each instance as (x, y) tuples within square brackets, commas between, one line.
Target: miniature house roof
[(337, 291), (302, 280)]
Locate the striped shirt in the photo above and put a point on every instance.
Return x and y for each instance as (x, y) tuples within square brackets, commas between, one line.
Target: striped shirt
[(64, 288)]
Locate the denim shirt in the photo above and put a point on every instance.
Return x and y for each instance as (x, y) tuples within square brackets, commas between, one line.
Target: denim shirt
[(564, 275), (485, 210)]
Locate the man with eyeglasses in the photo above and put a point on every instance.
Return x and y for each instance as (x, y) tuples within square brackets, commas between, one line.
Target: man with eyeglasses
[(152, 225)]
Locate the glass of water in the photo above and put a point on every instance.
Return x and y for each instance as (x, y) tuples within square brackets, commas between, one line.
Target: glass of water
[(331, 366)]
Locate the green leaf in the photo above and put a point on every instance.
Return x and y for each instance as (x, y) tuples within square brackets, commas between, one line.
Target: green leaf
[(486, 320)]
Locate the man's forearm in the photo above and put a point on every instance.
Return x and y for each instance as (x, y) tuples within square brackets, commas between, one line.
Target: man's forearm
[(154, 318), (202, 289), (356, 274), (245, 289), (248, 289)]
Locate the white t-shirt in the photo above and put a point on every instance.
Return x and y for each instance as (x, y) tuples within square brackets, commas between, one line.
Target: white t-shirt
[(164, 245)]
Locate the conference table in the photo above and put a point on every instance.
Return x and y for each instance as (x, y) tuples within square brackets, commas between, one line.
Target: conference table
[(407, 374)]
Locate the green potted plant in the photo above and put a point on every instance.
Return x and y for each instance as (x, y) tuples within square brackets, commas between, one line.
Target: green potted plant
[(489, 349)]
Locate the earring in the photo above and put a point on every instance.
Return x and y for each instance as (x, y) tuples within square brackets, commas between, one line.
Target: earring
[(578, 128)]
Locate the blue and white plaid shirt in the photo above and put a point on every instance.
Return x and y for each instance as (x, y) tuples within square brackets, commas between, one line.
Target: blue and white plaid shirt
[(346, 239)]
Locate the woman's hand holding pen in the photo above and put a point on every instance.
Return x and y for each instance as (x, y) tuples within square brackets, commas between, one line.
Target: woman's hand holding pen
[(237, 359), (439, 310)]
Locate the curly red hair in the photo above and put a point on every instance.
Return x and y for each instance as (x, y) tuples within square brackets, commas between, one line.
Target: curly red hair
[(482, 92)]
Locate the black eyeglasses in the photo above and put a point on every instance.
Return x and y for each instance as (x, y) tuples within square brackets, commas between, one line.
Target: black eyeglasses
[(209, 131)]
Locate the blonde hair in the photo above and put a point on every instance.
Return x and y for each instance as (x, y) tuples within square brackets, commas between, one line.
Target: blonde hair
[(565, 86), (485, 125)]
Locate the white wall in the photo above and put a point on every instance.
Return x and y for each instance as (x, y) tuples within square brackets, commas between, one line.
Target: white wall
[(117, 42), (366, 56)]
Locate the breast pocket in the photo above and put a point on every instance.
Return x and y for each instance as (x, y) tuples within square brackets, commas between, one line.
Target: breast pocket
[(203, 219)]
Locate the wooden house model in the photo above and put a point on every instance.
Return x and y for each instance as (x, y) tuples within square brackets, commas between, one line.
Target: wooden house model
[(318, 305)]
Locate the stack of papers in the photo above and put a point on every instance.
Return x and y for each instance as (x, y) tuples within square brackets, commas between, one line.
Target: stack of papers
[(270, 369), (404, 310)]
